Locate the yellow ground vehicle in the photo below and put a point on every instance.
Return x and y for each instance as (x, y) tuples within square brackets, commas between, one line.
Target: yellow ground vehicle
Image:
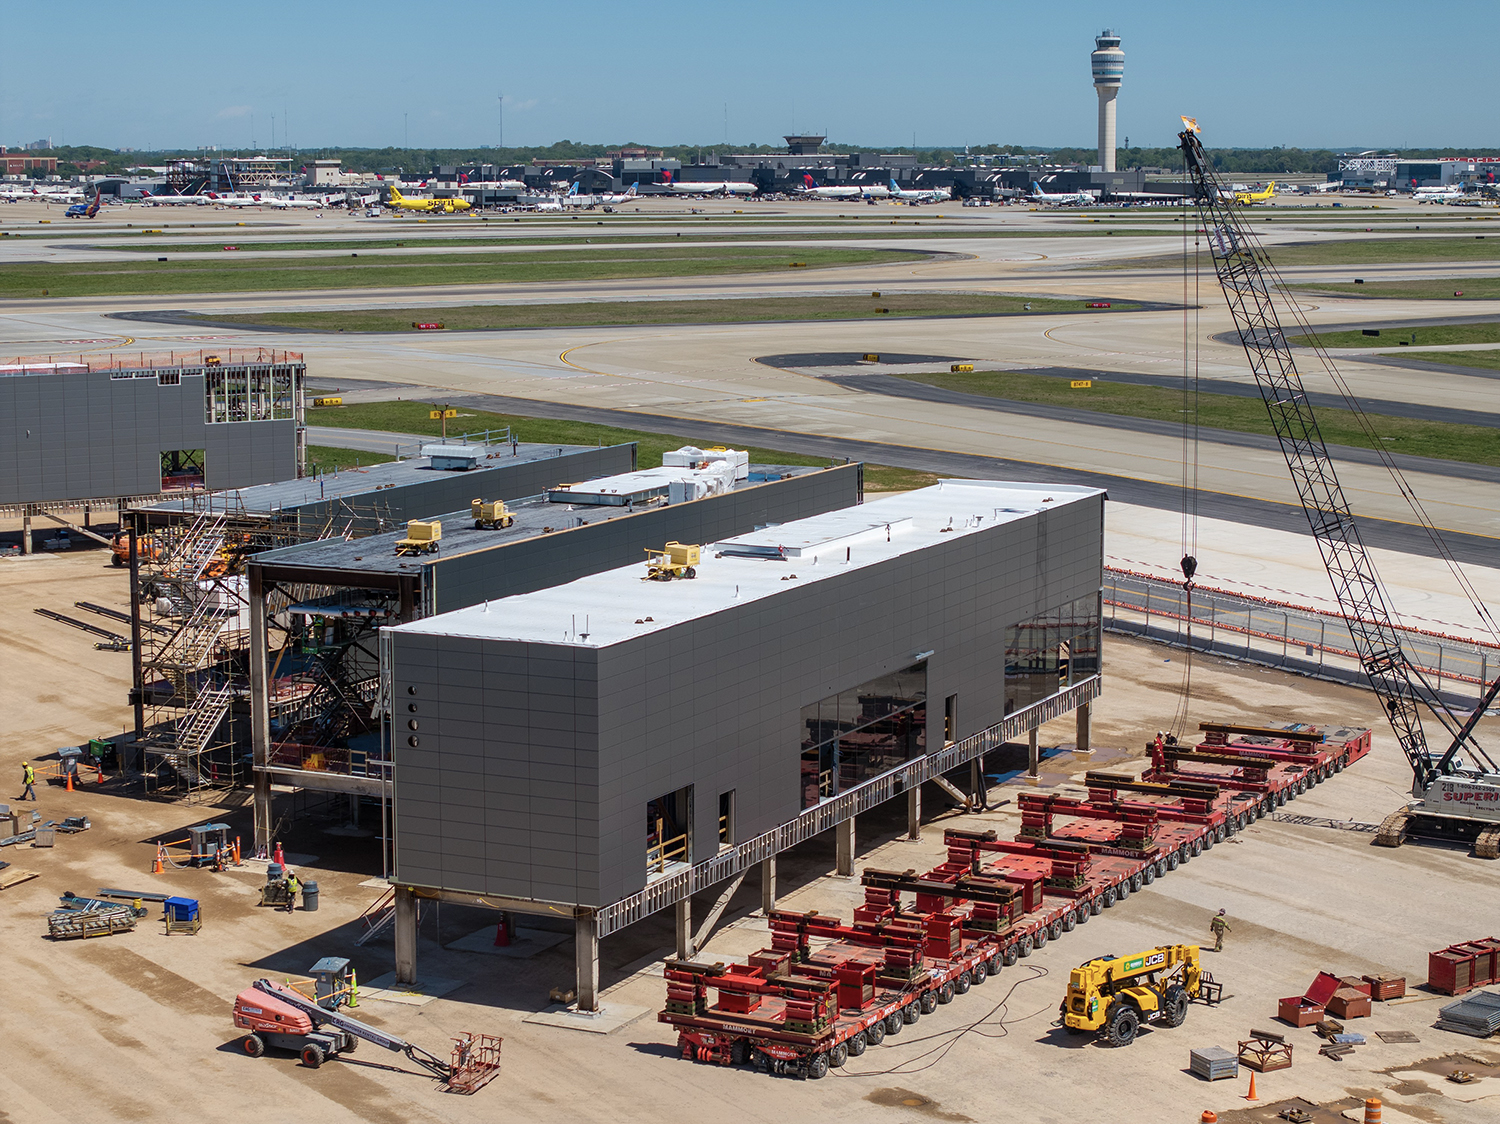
[(422, 537), (490, 514), (1114, 995), (678, 560)]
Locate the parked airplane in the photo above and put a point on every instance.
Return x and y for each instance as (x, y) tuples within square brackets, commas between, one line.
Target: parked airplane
[(1246, 198), (57, 195), (574, 198), (921, 195), (84, 210), (1447, 194), (810, 187), (235, 199), (296, 202), (1061, 198), (715, 187), (175, 200), (399, 202)]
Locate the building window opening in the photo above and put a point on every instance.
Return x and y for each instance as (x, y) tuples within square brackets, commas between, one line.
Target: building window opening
[(181, 470), (726, 818), (860, 733), (950, 720), (1050, 652), (169, 378), (669, 832)]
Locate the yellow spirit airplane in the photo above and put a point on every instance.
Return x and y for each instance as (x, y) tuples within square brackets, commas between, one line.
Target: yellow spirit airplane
[(400, 202), (1245, 198)]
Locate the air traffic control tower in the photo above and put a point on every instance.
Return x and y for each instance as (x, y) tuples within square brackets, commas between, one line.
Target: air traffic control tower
[(1108, 63)]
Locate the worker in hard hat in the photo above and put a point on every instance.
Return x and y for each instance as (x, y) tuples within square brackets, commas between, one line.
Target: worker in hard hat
[(1219, 926), (292, 886), (28, 782)]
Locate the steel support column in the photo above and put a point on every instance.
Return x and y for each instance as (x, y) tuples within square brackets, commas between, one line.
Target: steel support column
[(843, 835), (685, 949), (406, 936), (1033, 753), (768, 884), (914, 812), (586, 958), (260, 710), (1084, 716)]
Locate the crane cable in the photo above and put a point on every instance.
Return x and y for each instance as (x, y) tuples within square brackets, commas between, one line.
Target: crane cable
[(1190, 451)]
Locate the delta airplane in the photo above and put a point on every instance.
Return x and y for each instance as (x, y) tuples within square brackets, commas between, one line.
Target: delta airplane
[(175, 200), (296, 201), (1062, 198), (810, 187), (726, 187), (235, 199)]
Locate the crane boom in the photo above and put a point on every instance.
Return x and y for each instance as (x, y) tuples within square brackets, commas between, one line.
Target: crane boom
[(1237, 259)]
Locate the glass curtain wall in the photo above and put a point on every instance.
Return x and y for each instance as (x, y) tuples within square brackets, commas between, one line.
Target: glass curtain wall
[(860, 733), (1051, 651)]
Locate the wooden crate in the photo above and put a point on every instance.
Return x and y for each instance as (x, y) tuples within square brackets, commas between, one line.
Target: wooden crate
[(1383, 988)]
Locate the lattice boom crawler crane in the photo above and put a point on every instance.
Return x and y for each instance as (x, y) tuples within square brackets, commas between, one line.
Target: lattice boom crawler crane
[(1453, 797)]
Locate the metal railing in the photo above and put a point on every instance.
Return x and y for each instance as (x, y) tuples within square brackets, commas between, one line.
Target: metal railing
[(671, 888), (1279, 634), (486, 438)]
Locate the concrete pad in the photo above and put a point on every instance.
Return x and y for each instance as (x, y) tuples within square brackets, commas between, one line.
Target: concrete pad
[(419, 994), (293, 861), (528, 942), (610, 1017)]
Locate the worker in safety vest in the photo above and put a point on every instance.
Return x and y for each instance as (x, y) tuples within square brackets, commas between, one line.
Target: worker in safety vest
[(1219, 926), (28, 781), (292, 886)]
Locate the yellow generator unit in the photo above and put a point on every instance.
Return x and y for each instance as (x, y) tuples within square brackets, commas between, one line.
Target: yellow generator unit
[(490, 514), (422, 537), (678, 560), (1114, 995)]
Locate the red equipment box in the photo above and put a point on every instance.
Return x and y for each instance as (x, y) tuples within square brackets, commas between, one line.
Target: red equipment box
[(1299, 1011), (1347, 1003), (1464, 966), (1386, 987)]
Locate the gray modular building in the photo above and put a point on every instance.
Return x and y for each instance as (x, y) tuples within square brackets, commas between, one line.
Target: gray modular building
[(608, 746), (303, 730), (109, 428)]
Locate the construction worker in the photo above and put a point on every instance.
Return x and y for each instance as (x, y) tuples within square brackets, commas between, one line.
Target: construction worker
[(28, 781), (292, 886), (1219, 926)]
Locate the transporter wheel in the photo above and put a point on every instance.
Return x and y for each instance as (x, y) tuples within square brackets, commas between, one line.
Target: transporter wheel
[(1340, 764), (739, 1051), (254, 1045), (893, 1024), (1281, 798), (1197, 847), (1219, 833), (1122, 1025), (963, 983), (857, 1044), (1039, 938), (312, 1055), (981, 973), (1070, 920), (1148, 875), (1096, 906), (928, 1002), (1055, 929), (838, 1055), (1122, 890), (994, 964), (1172, 861), (1010, 955), (945, 993), (875, 1035), (911, 1012), (817, 1067), (1137, 880), (1026, 944)]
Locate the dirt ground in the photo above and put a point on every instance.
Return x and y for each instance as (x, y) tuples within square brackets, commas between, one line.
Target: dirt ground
[(117, 1028)]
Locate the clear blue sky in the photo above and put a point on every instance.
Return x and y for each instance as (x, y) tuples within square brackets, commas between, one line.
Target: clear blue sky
[(176, 74)]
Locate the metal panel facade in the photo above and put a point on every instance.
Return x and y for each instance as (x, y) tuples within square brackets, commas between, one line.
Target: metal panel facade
[(534, 762), (85, 435)]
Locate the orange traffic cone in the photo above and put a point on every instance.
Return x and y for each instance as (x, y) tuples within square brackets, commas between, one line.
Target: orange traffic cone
[(1250, 1096), (156, 863), (99, 773)]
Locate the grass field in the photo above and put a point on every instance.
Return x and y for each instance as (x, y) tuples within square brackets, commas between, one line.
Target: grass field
[(1485, 360), (1369, 251), (1413, 336), (411, 417), (588, 313), (1471, 444), (1438, 289), (232, 275), (326, 458)]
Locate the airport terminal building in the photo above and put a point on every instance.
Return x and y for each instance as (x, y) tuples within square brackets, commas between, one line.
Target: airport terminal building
[(606, 747)]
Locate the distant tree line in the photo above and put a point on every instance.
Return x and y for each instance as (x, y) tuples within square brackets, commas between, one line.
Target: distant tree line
[(75, 160)]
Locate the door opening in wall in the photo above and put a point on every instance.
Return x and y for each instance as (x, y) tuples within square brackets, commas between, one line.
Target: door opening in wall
[(181, 469), (669, 832), (950, 720), (727, 836)]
